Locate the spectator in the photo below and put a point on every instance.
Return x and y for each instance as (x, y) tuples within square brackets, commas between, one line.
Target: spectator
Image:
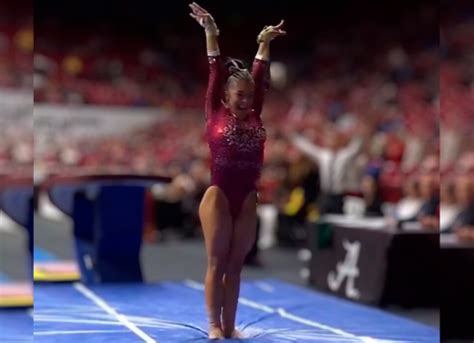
[(333, 161), (371, 194), (463, 225), (410, 204)]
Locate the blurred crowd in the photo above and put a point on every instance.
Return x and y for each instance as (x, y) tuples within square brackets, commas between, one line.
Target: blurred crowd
[(16, 103), (457, 120), (16, 51)]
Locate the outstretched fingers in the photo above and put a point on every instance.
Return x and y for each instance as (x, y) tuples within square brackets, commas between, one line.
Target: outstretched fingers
[(194, 9), (277, 29), (199, 8), (280, 24), (200, 14)]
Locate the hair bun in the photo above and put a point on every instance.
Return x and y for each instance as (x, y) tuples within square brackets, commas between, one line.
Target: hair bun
[(234, 65), (233, 69)]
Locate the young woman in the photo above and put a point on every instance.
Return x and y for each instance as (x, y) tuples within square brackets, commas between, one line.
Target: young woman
[(236, 140)]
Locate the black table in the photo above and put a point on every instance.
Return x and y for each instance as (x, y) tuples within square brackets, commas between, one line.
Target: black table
[(366, 261), (457, 282)]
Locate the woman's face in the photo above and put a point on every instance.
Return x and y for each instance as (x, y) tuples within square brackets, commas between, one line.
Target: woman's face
[(239, 97)]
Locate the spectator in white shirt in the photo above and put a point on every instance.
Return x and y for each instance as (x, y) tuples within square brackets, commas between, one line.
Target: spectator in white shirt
[(333, 160)]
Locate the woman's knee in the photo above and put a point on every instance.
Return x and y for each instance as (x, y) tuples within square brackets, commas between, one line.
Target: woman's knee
[(217, 266), (234, 268)]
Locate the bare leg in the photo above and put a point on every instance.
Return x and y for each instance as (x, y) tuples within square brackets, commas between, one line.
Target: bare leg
[(216, 222), (244, 235)]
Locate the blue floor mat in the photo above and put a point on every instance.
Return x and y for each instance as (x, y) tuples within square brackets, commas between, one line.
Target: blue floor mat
[(16, 325), (269, 311)]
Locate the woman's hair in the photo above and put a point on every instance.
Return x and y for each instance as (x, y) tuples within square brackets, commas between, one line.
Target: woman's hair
[(236, 71)]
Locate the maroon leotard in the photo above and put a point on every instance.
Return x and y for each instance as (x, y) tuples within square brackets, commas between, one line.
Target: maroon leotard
[(236, 145)]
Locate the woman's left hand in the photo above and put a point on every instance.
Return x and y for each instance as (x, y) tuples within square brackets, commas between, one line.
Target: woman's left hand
[(271, 32)]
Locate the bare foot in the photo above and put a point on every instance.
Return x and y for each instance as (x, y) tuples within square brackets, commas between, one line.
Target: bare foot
[(216, 333), (234, 334)]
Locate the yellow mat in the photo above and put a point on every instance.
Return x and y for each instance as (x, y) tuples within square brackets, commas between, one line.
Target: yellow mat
[(56, 271), (16, 294)]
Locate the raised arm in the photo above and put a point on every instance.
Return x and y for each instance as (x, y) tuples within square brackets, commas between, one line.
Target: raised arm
[(214, 87), (313, 151), (260, 65)]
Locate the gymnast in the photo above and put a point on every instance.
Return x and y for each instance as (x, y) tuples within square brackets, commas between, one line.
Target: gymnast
[(236, 138)]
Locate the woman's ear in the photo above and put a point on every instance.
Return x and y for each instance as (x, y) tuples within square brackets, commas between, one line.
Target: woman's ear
[(226, 96)]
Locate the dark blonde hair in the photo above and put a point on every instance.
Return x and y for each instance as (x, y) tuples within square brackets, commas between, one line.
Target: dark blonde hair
[(237, 71)]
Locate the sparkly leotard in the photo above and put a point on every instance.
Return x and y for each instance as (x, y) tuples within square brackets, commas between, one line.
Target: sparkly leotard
[(236, 145)]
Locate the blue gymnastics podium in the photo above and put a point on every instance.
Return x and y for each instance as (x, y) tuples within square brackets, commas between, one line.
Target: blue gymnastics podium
[(108, 233), (108, 218), (119, 230)]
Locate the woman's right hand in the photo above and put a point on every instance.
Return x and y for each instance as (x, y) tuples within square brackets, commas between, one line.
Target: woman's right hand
[(271, 32), (204, 18)]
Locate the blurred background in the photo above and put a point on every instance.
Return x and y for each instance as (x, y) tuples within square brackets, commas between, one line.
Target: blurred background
[(16, 123), (119, 89), (16, 168), (375, 63), (456, 85), (457, 161)]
